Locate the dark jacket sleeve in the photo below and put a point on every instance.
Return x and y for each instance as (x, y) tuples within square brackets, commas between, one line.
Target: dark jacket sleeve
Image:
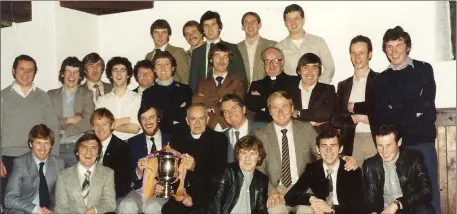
[(122, 178), (357, 192), (342, 118), (297, 194), (255, 102), (181, 112), (426, 102), (218, 187), (261, 203), (373, 198), (237, 65), (327, 109)]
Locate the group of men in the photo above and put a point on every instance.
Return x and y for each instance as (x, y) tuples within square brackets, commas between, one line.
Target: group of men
[(202, 101)]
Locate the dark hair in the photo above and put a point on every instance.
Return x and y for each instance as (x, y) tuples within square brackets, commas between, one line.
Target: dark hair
[(219, 47), (211, 15), (249, 142), (388, 129), (231, 97), (86, 137), (328, 133), (280, 94), (396, 33), (251, 14), (161, 24), (93, 58), (309, 58), (24, 58), (100, 113), (117, 60), (193, 23), (40, 131), (72, 62), (165, 54), (145, 108), (293, 8), (364, 39), (145, 63)]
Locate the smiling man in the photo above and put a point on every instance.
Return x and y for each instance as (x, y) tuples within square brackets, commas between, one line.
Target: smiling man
[(193, 33), (94, 66), (144, 75)]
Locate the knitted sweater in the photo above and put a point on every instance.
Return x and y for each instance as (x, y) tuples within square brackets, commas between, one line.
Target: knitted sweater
[(19, 115)]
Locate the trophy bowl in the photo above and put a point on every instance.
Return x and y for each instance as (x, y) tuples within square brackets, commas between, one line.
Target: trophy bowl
[(167, 172)]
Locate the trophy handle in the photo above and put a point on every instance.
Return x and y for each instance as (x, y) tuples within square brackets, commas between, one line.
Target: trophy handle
[(179, 195)]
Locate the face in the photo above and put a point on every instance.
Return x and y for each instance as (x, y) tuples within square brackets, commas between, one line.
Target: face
[(71, 76), (94, 71), (211, 29), (251, 26), (192, 35), (273, 62), (294, 22), (397, 52), (248, 159), (309, 73), (160, 37), (88, 153), (220, 61), (163, 69), (197, 119), (24, 73), (145, 77), (41, 148), (360, 57), (281, 110), (119, 75), (233, 113), (387, 147), (329, 150), (102, 127), (149, 121)]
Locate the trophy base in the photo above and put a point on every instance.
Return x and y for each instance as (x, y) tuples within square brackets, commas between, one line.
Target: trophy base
[(166, 193)]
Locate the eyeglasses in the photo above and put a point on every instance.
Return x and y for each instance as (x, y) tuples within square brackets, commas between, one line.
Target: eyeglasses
[(274, 61)]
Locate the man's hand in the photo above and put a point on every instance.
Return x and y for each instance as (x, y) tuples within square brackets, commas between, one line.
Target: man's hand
[(142, 164), (255, 93), (360, 118), (189, 162), (73, 120), (274, 198), (351, 163), (182, 105), (351, 107), (62, 132), (391, 209), (90, 211), (44, 210), (187, 201), (316, 123), (121, 121), (159, 189), (3, 172), (320, 206)]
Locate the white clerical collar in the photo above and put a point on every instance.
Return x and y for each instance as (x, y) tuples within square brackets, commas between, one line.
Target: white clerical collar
[(196, 136)]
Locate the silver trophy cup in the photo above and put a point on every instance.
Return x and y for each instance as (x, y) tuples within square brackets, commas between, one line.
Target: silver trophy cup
[(167, 172)]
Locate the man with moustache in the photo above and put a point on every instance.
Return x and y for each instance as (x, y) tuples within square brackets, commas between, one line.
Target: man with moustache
[(252, 47), (299, 42), (73, 105), (201, 67), (94, 66), (144, 75), (193, 33), (31, 185), (160, 33), (86, 187), (209, 150)]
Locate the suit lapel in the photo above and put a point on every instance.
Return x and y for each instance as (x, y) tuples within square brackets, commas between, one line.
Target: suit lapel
[(347, 87), (75, 183), (315, 95), (59, 101), (274, 146), (370, 86), (51, 172), (79, 101), (257, 63), (33, 169), (340, 176), (244, 53), (300, 147), (95, 183)]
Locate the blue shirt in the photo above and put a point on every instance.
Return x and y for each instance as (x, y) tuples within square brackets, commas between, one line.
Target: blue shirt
[(408, 61)]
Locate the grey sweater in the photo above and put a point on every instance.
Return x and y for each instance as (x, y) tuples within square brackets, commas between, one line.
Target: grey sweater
[(19, 115)]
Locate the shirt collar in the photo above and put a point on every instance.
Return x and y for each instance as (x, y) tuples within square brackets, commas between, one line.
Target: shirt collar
[(408, 61), (106, 141), (91, 84), (17, 87), (310, 89), (223, 75), (157, 135), (253, 44), (38, 161), (82, 169), (244, 127), (160, 83), (163, 47), (335, 168), (279, 128), (208, 43)]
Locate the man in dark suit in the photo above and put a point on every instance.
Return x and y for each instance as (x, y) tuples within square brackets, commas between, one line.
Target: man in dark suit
[(355, 113), (31, 184), (200, 66), (115, 152), (332, 187), (94, 67), (193, 33), (260, 90), (209, 150), (222, 81), (144, 75)]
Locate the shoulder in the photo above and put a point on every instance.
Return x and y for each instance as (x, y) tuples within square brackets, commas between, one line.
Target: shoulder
[(261, 176), (105, 170), (149, 54), (199, 50), (108, 85), (182, 86), (325, 86), (240, 44), (268, 42), (53, 92), (176, 49), (84, 90), (301, 125), (411, 154), (135, 138), (371, 161), (23, 158), (57, 159), (67, 172), (314, 38)]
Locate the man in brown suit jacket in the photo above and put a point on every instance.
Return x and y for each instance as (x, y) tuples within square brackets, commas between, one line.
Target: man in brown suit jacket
[(160, 33), (213, 88)]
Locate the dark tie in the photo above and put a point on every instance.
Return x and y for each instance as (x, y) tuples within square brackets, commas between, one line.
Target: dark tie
[(97, 91), (45, 200), (153, 147), (219, 81), (209, 69), (330, 186), (237, 135), (285, 162)]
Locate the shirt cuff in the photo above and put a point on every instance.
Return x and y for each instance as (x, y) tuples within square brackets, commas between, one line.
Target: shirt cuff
[(35, 210)]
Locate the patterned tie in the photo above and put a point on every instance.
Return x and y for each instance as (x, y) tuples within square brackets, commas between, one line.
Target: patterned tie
[(153, 147), (330, 186), (219, 81), (237, 135), (97, 91), (43, 191), (285, 162), (85, 187)]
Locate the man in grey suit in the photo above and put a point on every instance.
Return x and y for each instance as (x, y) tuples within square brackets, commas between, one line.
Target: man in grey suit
[(86, 187), (31, 184), (94, 66), (73, 105), (160, 33), (252, 47), (289, 145)]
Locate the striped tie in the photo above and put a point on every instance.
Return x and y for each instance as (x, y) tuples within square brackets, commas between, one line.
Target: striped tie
[(85, 188), (285, 162)]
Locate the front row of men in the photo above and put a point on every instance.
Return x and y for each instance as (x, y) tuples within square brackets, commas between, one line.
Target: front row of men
[(394, 181)]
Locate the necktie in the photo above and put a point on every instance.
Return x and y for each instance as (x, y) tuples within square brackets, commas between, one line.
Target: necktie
[(45, 200), (285, 162), (209, 69), (97, 91), (219, 81), (330, 186), (237, 135), (85, 187), (153, 147)]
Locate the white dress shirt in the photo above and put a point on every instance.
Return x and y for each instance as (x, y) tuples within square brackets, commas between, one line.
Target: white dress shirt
[(81, 174), (244, 130), (291, 145), (208, 43), (334, 177), (223, 75), (251, 49), (16, 87), (305, 94), (358, 95)]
